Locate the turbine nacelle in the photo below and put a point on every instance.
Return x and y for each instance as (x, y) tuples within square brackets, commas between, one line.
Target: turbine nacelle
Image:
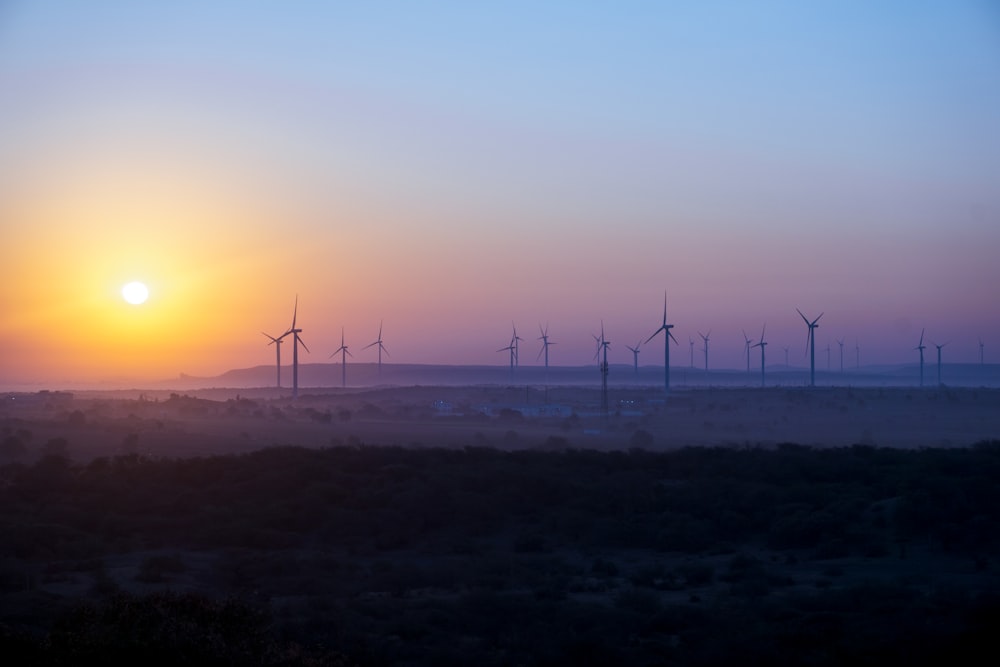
[(274, 340), (342, 350)]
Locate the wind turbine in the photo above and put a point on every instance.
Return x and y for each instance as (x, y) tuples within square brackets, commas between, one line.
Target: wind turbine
[(545, 346), (602, 347), (762, 344), (857, 353), (691, 343), (786, 348), (840, 342), (704, 337), (514, 341), (296, 339), (545, 349), (635, 356), (277, 348), (939, 359), (381, 347), (980, 351), (344, 353), (811, 344), (921, 347), (746, 348), (667, 335), (513, 355)]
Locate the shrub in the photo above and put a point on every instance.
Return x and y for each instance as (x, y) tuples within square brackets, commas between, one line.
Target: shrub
[(154, 569), (55, 447), (641, 439)]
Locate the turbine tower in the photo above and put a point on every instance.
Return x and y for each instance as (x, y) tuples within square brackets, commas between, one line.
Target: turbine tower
[(381, 348), (746, 348), (344, 353), (921, 347), (811, 344), (667, 336), (786, 348), (691, 343), (762, 344), (296, 340), (980, 351), (704, 337), (840, 342), (635, 356), (857, 353), (277, 348), (939, 360)]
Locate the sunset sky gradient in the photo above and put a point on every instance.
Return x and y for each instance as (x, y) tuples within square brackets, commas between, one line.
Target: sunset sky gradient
[(449, 167)]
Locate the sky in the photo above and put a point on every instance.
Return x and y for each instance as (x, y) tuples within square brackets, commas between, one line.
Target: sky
[(451, 168)]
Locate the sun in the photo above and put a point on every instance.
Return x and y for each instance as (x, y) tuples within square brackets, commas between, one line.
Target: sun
[(135, 293)]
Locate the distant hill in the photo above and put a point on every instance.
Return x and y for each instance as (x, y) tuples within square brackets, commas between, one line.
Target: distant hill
[(367, 374), (328, 376)]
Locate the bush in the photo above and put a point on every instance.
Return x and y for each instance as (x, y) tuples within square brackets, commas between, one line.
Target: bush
[(641, 439), (155, 569), (55, 447), (12, 449)]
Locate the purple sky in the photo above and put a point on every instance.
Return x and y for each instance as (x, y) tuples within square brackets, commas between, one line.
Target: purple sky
[(451, 170)]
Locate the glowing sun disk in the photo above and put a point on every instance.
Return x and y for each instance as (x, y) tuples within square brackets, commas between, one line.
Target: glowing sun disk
[(135, 293)]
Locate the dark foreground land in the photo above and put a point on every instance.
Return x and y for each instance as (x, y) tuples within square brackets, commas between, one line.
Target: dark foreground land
[(378, 555)]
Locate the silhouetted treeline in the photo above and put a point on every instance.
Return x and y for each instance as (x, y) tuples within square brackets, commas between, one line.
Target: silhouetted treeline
[(856, 500), (436, 556)]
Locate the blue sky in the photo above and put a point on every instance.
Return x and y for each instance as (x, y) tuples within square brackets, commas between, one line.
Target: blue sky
[(453, 166)]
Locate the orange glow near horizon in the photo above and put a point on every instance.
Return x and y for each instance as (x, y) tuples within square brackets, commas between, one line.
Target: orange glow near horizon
[(447, 185), (67, 311)]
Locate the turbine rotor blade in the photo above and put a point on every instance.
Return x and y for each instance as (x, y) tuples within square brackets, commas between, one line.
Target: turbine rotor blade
[(662, 328)]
